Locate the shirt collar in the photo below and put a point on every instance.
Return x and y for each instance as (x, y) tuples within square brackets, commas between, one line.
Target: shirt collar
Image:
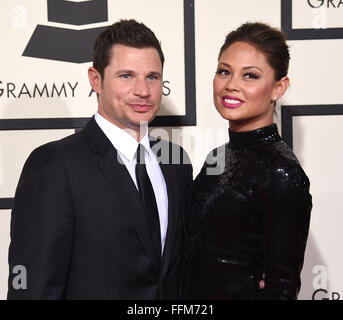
[(245, 139), (120, 139), (145, 141)]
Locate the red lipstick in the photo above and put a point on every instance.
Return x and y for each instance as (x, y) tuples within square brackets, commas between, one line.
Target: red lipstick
[(231, 102)]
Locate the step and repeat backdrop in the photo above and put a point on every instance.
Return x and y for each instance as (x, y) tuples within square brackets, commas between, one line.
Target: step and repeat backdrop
[(45, 94)]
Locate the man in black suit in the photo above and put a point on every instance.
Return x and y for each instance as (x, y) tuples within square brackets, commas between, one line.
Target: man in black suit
[(81, 223)]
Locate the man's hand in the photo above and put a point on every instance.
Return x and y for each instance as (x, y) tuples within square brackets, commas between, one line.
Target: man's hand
[(262, 282)]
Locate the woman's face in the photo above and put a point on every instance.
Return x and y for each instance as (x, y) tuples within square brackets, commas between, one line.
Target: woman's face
[(244, 87)]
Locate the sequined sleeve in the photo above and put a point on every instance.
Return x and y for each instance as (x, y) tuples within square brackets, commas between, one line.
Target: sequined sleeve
[(286, 206)]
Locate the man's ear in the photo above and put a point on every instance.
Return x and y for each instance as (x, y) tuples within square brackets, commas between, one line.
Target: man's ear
[(94, 79), (280, 88)]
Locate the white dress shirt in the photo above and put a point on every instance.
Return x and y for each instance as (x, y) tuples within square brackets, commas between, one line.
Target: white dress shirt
[(127, 146)]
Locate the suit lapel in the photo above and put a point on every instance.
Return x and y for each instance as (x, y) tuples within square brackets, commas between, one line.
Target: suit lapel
[(123, 186), (172, 220), (172, 214)]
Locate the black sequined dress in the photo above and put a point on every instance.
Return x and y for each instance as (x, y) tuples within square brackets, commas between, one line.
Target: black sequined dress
[(250, 220)]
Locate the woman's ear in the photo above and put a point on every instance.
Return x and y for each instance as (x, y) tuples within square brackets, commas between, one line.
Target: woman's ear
[(280, 88), (94, 79)]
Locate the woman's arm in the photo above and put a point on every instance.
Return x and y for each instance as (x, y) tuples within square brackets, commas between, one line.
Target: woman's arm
[(286, 205)]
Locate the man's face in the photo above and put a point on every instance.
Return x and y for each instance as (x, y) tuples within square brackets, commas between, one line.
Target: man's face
[(131, 89)]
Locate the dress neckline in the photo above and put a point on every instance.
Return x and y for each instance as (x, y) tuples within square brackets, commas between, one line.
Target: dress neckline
[(245, 139)]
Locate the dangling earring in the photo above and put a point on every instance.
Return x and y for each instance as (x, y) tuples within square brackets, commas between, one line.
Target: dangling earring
[(274, 100)]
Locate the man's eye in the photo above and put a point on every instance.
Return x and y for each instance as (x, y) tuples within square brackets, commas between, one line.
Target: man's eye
[(125, 76), (152, 77)]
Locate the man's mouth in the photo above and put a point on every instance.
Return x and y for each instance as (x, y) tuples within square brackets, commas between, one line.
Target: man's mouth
[(138, 107)]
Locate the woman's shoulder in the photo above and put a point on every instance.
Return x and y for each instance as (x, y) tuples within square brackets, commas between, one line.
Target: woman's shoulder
[(285, 166), (278, 154)]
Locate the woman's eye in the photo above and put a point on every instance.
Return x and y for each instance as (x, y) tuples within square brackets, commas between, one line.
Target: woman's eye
[(251, 76), (222, 72)]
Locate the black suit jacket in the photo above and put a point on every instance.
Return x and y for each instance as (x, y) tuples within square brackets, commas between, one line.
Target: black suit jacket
[(77, 224)]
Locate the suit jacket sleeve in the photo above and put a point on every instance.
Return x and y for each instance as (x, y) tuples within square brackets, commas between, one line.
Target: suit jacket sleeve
[(190, 175), (287, 207), (42, 227)]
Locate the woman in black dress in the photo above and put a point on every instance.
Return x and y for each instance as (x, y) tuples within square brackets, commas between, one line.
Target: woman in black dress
[(250, 221)]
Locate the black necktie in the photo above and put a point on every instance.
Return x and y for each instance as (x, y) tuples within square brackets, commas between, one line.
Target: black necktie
[(148, 197)]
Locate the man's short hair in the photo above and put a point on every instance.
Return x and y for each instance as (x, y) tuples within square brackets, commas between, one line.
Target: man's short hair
[(126, 32)]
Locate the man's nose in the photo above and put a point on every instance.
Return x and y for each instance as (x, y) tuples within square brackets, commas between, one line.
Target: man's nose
[(141, 88)]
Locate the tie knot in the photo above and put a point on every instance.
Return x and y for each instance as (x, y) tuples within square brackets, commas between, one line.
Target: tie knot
[(140, 154)]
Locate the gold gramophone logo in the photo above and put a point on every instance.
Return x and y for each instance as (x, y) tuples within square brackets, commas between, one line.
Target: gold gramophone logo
[(68, 44)]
